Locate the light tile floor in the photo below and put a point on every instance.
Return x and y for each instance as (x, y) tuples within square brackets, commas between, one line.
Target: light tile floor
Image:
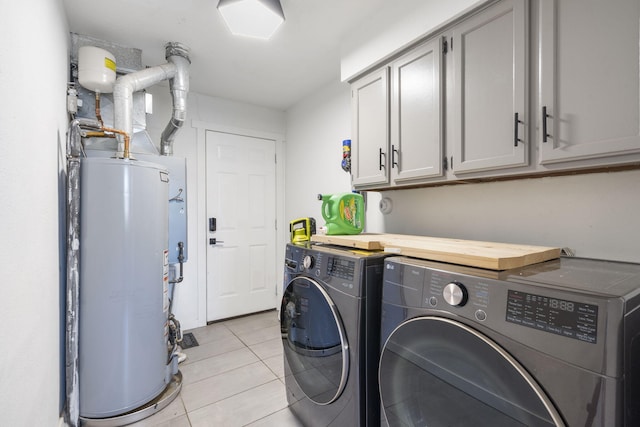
[(235, 377)]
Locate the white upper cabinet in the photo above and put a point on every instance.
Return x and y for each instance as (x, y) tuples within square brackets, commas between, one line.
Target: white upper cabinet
[(457, 107), (490, 120), (397, 120), (416, 150), (589, 80), (370, 129)]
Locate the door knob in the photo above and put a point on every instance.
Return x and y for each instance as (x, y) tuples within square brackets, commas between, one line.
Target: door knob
[(214, 241)]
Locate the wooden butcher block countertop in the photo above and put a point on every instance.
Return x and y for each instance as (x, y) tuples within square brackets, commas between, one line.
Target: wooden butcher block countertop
[(489, 255)]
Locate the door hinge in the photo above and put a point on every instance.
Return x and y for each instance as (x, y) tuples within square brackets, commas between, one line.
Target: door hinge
[(445, 46), (451, 162), (445, 165), (275, 159), (451, 44)]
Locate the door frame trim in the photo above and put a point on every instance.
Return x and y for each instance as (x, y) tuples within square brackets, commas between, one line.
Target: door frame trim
[(202, 128)]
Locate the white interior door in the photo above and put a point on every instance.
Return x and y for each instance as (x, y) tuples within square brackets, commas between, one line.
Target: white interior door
[(241, 196)]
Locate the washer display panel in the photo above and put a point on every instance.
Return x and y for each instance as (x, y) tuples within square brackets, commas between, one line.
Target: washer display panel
[(314, 342), (438, 372)]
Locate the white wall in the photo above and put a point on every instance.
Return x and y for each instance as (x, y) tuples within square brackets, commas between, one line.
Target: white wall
[(315, 130), (396, 24), (33, 75), (189, 303), (595, 215)]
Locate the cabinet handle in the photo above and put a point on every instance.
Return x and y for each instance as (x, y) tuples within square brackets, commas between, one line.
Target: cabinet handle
[(380, 156), (393, 156), (545, 135), (516, 122)]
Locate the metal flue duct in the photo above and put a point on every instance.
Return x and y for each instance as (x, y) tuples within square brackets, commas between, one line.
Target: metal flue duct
[(176, 71), (179, 86)]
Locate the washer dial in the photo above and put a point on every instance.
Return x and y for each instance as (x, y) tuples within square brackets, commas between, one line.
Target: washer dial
[(307, 262), (455, 294)]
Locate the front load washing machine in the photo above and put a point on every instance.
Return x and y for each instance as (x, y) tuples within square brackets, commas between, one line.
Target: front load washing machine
[(552, 344), (330, 324)]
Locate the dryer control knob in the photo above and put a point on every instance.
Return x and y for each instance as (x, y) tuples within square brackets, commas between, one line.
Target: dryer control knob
[(307, 261), (455, 294)]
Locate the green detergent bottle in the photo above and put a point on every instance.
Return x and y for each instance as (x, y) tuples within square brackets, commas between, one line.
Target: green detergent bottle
[(343, 213)]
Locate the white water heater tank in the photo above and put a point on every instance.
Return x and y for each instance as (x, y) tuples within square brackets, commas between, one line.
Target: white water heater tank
[(96, 69), (124, 267)]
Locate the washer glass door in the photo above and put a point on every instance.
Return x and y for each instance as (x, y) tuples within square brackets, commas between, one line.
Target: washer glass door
[(438, 372), (314, 342)]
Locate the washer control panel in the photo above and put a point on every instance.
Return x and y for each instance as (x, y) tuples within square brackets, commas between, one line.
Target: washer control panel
[(443, 287), (339, 269), (558, 316), (343, 268), (487, 298)]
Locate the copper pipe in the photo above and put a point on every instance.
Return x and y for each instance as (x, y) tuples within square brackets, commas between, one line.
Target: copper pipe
[(98, 115), (98, 135), (102, 134), (127, 138)]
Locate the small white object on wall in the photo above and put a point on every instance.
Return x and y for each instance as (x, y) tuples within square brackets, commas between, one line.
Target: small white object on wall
[(386, 205)]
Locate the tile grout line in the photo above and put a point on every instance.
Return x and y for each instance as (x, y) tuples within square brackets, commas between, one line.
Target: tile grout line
[(256, 354), (232, 395), (260, 359), (228, 370)]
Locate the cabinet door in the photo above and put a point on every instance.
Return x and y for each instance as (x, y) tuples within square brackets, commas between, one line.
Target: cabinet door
[(370, 127), (416, 114), (589, 79), (490, 114)]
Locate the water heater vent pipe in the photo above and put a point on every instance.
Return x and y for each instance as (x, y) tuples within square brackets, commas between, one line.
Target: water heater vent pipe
[(179, 87), (176, 71)]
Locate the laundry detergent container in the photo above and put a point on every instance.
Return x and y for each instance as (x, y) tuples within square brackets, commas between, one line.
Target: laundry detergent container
[(343, 213)]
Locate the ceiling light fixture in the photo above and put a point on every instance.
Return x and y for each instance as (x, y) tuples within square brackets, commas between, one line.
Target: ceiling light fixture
[(252, 18)]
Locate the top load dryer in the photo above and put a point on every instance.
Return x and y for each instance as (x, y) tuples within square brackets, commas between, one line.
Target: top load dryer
[(552, 344)]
